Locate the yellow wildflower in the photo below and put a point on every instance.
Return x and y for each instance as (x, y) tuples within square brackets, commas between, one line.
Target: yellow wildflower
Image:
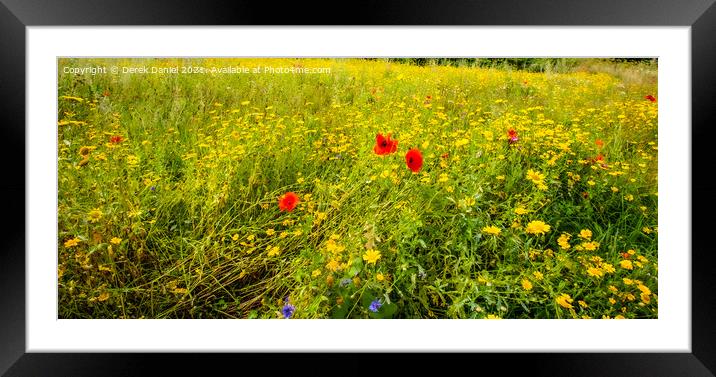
[(537, 227), (590, 246), (644, 289), (103, 296), (608, 268), (334, 247), (371, 256), (492, 230), (595, 271), (132, 161), (72, 242), (526, 284), (645, 298), (535, 176), (564, 300), (333, 265), (94, 215), (563, 241), (273, 251)]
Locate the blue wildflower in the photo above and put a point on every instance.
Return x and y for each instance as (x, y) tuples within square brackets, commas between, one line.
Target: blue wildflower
[(288, 310), (375, 305)]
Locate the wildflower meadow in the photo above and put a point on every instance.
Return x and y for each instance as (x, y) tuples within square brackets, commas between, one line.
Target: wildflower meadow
[(357, 188)]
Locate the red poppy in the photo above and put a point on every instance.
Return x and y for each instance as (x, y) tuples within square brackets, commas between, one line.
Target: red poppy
[(288, 201), (116, 139), (383, 145), (651, 98), (445, 155), (599, 143), (626, 255), (599, 158), (512, 136), (105, 93), (414, 160)]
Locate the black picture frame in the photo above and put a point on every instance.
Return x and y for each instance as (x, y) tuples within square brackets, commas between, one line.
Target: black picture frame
[(16, 15)]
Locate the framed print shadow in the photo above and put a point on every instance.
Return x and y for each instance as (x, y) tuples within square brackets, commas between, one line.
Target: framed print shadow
[(364, 187)]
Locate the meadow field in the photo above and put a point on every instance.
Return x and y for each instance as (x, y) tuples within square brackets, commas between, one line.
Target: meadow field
[(356, 188)]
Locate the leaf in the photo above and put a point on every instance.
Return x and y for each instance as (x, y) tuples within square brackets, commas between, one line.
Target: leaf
[(341, 311), (389, 310), (356, 267), (221, 305)]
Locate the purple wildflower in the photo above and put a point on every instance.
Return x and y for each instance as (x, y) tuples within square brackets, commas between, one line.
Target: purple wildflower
[(288, 310), (375, 305)]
